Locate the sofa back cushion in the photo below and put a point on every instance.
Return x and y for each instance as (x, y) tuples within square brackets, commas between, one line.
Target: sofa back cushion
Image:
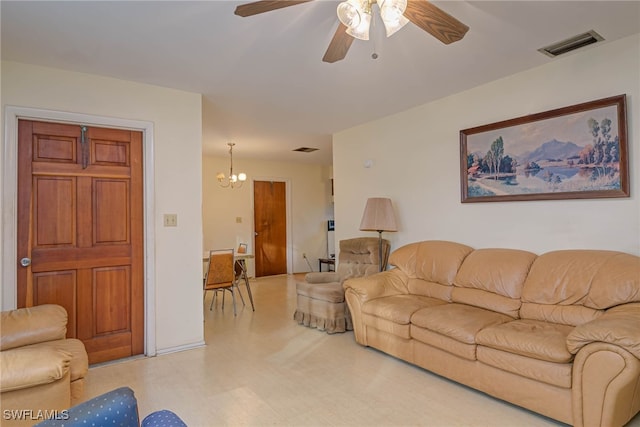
[(431, 266), (493, 279), (32, 325), (573, 287)]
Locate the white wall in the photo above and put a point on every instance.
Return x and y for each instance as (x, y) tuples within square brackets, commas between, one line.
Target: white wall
[(177, 153), (416, 162), (310, 207)]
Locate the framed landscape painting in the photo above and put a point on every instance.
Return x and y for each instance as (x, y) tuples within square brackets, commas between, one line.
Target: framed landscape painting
[(576, 152)]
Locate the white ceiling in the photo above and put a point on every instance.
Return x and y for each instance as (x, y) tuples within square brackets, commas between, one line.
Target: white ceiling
[(263, 82)]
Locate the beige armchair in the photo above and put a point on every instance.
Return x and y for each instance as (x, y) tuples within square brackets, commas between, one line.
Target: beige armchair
[(320, 298), (40, 370)]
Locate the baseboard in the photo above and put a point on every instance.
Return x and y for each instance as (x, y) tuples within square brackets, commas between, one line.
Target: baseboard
[(180, 348)]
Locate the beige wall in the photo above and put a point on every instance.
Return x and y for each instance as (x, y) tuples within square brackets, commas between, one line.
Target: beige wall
[(175, 118), (309, 197), (416, 153)]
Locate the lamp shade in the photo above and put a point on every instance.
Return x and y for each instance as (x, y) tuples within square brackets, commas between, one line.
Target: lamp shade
[(378, 215)]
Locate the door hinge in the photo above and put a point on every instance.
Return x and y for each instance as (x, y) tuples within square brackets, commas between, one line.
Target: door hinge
[(84, 147)]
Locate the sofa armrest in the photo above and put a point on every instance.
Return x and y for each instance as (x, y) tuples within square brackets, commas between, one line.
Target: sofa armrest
[(32, 325), (29, 367), (322, 277), (387, 283), (618, 326)]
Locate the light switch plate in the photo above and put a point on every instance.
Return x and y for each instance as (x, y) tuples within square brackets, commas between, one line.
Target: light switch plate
[(170, 220)]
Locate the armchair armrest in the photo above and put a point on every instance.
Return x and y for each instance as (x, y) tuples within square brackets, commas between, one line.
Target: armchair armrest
[(618, 326), (29, 367), (32, 325), (322, 277), (387, 283)]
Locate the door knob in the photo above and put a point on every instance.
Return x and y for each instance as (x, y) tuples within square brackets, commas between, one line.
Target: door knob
[(25, 262)]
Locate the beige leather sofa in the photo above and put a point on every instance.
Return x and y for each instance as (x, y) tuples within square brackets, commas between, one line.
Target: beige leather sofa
[(40, 370), (557, 333)]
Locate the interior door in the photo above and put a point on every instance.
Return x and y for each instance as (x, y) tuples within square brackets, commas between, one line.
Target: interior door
[(80, 231), (270, 225)]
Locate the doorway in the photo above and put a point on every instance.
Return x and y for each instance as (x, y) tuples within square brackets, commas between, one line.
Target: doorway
[(270, 226), (80, 231)]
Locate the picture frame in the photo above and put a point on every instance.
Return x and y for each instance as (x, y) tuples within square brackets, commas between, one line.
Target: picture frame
[(575, 152)]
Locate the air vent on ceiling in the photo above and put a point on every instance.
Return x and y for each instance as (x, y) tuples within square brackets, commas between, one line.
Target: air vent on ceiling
[(306, 149), (575, 42)]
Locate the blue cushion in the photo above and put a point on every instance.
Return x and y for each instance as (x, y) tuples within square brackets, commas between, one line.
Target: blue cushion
[(117, 408), (163, 418)]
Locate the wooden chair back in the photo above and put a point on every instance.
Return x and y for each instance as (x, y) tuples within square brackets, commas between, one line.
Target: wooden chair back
[(220, 271)]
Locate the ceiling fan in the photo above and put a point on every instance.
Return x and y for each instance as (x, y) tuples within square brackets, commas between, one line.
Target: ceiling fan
[(355, 15)]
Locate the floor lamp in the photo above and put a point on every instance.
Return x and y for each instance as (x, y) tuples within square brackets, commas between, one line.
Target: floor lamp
[(378, 216)]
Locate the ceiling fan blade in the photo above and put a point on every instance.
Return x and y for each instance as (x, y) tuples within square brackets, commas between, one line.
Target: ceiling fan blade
[(435, 21), (265, 6), (339, 45)]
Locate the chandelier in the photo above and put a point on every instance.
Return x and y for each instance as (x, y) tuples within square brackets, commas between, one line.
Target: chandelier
[(233, 180), (356, 15)]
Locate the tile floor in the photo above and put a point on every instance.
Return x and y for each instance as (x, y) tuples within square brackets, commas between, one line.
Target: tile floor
[(262, 368)]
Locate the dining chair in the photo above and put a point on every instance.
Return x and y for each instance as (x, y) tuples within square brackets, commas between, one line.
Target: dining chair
[(220, 276)]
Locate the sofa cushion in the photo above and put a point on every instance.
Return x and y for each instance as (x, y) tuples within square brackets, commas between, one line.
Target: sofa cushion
[(572, 315), (433, 260), (429, 289), (21, 368), (531, 338), (398, 308), (589, 279), (443, 342), (493, 279), (616, 282), (31, 325), (557, 374), (458, 321), (387, 326), (619, 325), (79, 365)]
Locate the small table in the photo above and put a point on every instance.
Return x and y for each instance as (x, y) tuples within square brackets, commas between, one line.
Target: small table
[(331, 264), (241, 263)]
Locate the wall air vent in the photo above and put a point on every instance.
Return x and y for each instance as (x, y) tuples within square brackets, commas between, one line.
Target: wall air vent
[(575, 42), (306, 149)]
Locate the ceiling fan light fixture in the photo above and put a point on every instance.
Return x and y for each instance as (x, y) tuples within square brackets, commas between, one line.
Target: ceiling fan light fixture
[(350, 12), (393, 26), (361, 32), (356, 16), (392, 14), (392, 10)]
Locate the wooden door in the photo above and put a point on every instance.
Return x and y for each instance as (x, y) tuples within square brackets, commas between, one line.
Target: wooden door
[(80, 222), (270, 224)]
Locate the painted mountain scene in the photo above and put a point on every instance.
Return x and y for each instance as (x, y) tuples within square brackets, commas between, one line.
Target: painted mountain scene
[(570, 153)]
